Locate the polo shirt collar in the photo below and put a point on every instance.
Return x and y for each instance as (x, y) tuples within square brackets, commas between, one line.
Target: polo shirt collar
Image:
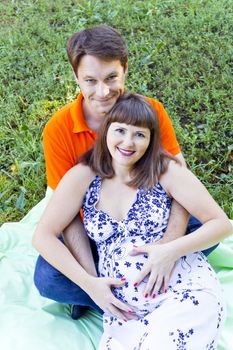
[(77, 116)]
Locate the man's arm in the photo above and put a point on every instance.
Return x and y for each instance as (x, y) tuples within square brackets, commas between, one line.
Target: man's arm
[(77, 242), (179, 217), (177, 224)]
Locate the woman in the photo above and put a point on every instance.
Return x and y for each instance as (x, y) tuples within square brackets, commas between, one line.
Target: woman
[(125, 186)]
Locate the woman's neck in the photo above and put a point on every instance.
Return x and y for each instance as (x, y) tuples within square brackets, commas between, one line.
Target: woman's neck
[(122, 174)]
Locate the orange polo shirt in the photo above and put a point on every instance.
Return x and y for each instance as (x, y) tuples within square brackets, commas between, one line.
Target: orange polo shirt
[(66, 137)]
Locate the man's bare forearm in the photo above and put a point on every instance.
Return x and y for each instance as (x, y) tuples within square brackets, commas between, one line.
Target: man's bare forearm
[(177, 223), (77, 242), (178, 220)]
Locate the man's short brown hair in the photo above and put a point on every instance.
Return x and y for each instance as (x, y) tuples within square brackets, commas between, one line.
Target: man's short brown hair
[(102, 41)]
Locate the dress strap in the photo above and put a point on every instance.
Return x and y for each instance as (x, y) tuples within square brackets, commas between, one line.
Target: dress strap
[(93, 191)]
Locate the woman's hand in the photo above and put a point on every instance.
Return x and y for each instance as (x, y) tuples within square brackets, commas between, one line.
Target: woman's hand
[(100, 291), (159, 267)]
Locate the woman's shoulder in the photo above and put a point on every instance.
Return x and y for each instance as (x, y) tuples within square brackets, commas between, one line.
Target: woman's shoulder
[(175, 170), (177, 176), (79, 176), (82, 169)]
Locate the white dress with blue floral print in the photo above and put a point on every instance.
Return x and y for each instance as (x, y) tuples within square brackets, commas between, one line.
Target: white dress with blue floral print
[(188, 316)]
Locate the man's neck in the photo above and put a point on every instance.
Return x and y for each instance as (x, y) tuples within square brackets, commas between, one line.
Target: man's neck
[(93, 121)]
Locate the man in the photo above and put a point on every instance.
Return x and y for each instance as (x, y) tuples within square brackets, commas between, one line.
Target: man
[(99, 60)]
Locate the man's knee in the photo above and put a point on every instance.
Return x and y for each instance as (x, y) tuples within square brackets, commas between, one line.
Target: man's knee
[(45, 277), (52, 284)]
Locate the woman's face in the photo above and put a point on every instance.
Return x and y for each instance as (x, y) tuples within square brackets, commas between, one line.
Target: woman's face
[(127, 143)]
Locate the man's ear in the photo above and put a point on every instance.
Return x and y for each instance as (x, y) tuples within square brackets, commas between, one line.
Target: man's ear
[(126, 68), (75, 77)]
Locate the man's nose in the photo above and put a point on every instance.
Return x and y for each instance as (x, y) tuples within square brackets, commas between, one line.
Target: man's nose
[(102, 89)]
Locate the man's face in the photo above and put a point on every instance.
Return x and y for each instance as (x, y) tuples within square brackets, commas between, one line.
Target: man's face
[(101, 83)]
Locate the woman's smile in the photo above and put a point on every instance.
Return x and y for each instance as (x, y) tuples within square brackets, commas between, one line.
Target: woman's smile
[(127, 143), (125, 152)]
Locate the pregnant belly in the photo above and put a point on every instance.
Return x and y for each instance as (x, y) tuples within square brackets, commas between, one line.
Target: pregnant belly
[(119, 263)]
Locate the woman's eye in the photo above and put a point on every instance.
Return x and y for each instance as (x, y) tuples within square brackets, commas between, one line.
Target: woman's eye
[(120, 131), (140, 134)]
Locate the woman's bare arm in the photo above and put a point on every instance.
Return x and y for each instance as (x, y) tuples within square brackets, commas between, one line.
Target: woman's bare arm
[(62, 208), (189, 193)]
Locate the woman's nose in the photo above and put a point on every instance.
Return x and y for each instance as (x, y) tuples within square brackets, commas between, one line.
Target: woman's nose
[(128, 141)]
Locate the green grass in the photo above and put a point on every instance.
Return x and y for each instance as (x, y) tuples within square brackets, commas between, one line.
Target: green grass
[(180, 52)]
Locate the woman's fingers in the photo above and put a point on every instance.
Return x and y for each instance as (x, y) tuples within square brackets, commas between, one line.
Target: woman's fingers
[(115, 282), (142, 274), (114, 311), (120, 310), (158, 285), (150, 286), (165, 283), (130, 315), (121, 306), (114, 306), (144, 249)]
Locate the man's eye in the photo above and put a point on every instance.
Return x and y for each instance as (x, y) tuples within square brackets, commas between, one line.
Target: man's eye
[(112, 77), (90, 81)]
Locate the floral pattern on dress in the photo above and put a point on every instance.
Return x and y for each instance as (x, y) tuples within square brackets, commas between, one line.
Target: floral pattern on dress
[(193, 284)]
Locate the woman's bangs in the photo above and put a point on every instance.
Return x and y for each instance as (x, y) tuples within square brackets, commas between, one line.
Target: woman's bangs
[(138, 116)]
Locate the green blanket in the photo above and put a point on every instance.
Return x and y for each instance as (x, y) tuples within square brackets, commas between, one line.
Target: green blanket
[(30, 322)]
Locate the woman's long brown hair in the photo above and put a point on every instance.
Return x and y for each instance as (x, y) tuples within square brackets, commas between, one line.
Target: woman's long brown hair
[(131, 109)]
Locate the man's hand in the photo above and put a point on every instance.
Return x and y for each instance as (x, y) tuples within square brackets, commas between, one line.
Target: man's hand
[(100, 290), (159, 267)]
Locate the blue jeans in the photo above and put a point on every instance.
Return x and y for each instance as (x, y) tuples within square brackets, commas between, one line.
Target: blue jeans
[(54, 285)]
